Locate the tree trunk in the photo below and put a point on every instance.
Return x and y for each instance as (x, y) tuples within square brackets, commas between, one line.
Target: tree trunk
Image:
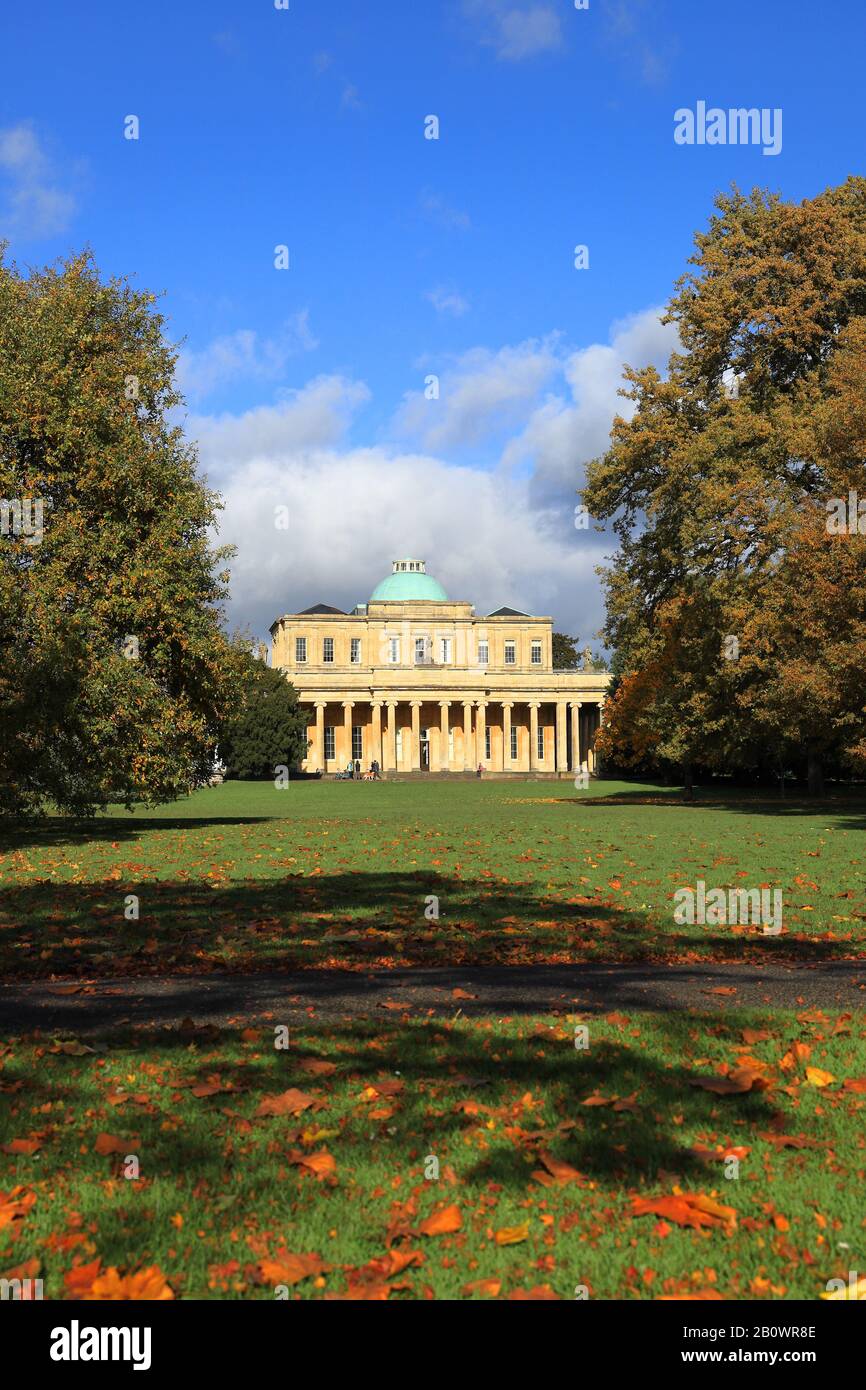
[(814, 773), (688, 782)]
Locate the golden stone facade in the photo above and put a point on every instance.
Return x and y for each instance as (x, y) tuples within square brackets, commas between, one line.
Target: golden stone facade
[(420, 683)]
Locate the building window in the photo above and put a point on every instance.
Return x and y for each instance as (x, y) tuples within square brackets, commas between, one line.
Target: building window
[(420, 648), (541, 742), (399, 746), (329, 742), (513, 742), (536, 654), (300, 650), (509, 654), (488, 755), (445, 649), (328, 650), (357, 741), (483, 653), (393, 650), (355, 657)]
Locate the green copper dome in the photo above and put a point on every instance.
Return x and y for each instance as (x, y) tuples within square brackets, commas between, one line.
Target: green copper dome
[(409, 580)]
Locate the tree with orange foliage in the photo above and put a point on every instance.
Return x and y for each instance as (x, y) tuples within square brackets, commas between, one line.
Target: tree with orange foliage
[(736, 612)]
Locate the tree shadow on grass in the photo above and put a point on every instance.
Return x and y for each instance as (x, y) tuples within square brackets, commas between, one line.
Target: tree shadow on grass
[(477, 1098), (847, 806), (352, 921), (56, 831)]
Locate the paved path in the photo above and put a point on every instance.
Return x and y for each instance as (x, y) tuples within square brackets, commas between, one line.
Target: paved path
[(499, 990)]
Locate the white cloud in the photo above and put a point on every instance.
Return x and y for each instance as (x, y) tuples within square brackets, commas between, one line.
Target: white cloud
[(447, 301), (352, 512), (34, 203), (565, 431), (516, 30), (492, 536), (558, 404), (243, 355), (479, 391), (313, 417)]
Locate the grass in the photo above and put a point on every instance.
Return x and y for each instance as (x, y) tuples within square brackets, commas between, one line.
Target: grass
[(334, 1195), (224, 1205), (246, 877)]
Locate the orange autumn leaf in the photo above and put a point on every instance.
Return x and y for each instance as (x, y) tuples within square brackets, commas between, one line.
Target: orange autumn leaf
[(557, 1172), (491, 1288), (291, 1102), (287, 1268), (21, 1146), (541, 1291), (146, 1285), (686, 1209), (442, 1222), (737, 1082), (316, 1066), (79, 1279), (512, 1235), (321, 1163), (816, 1077), (110, 1144), (15, 1204)]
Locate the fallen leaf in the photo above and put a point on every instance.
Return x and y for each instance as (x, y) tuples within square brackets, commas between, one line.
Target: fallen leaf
[(512, 1235), (442, 1222)]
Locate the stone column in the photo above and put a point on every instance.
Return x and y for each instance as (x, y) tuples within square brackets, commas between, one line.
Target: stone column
[(444, 724), (389, 752), (469, 759), (480, 734), (319, 745), (415, 754), (561, 750), (348, 706), (507, 706), (376, 750), (533, 735), (575, 735), (590, 752)]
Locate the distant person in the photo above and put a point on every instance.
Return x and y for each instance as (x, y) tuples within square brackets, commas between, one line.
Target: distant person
[(358, 768), (480, 770), (374, 768)]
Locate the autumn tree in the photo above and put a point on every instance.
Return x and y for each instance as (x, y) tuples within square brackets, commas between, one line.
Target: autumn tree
[(268, 729), (114, 666), (734, 608)]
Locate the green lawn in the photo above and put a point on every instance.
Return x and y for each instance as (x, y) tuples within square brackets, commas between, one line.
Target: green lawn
[(228, 1198), (559, 1167), (339, 874)]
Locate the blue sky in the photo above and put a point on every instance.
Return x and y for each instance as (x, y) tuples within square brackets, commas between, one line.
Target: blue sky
[(305, 127)]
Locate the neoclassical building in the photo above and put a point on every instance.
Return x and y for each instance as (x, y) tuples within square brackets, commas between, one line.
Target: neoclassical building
[(422, 683)]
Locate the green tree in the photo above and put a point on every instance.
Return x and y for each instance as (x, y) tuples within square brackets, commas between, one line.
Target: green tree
[(565, 653), (736, 615), (114, 666), (269, 729)]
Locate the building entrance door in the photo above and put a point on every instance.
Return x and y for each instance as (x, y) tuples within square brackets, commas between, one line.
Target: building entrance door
[(425, 751)]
